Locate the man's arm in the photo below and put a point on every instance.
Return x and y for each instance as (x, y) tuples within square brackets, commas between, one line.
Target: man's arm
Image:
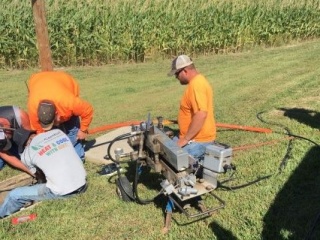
[(25, 121), (85, 110), (197, 122), (15, 162)]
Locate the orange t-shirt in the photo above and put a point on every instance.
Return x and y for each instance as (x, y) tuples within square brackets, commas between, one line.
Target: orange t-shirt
[(62, 89), (198, 96)]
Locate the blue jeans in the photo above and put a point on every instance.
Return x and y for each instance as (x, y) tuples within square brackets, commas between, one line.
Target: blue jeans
[(12, 151), (20, 196), (71, 128), (2, 163), (195, 149)]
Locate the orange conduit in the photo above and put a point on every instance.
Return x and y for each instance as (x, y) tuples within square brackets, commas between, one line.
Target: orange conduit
[(244, 128), (221, 125), (244, 147), (167, 122), (112, 126)]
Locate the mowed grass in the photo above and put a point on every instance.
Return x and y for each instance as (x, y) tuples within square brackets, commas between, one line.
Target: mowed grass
[(280, 82)]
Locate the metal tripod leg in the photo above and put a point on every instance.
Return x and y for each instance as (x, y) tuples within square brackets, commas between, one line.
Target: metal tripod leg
[(169, 209)]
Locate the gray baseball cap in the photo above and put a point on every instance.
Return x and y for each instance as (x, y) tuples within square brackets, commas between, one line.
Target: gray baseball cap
[(178, 63)]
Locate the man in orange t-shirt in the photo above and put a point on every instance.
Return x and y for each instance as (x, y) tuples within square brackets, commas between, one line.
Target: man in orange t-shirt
[(54, 101), (196, 117)]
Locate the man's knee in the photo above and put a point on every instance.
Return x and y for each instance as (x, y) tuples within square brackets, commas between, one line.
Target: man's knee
[(196, 150), (14, 195)]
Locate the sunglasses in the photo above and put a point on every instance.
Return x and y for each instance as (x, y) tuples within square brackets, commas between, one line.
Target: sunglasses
[(178, 72)]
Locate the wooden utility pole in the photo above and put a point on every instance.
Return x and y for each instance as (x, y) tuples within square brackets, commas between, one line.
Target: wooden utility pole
[(39, 16), (46, 65)]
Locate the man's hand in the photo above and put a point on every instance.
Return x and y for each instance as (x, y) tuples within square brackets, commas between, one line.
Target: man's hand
[(182, 142), (82, 135), (39, 175)]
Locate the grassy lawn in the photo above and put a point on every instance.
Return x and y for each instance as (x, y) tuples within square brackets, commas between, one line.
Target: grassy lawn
[(273, 88)]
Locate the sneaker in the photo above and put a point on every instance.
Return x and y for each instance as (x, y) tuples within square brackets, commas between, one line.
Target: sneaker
[(109, 170)]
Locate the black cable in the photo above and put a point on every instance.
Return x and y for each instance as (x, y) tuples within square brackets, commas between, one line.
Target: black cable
[(304, 138), (285, 159), (284, 162), (136, 178), (135, 187), (244, 185), (118, 138)]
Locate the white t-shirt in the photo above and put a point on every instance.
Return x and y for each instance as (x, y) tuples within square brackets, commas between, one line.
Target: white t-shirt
[(55, 155)]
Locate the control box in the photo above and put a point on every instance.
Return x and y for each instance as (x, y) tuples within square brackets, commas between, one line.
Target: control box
[(217, 156), (177, 157)]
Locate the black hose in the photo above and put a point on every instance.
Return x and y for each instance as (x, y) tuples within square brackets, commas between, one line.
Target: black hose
[(290, 143), (284, 160), (135, 187), (118, 138), (136, 178), (304, 138), (244, 185)]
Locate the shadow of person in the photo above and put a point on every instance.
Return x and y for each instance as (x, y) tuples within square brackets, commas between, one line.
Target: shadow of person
[(221, 233), (305, 116), (296, 206)]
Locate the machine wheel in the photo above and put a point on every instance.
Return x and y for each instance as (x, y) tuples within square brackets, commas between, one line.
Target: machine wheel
[(124, 189)]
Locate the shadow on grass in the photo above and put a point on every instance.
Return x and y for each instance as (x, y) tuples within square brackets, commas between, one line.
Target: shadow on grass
[(221, 233), (294, 210), (150, 191), (305, 116)]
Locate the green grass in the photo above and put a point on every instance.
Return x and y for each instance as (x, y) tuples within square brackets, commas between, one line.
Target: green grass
[(282, 82)]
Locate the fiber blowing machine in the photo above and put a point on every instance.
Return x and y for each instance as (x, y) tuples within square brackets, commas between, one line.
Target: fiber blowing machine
[(184, 178)]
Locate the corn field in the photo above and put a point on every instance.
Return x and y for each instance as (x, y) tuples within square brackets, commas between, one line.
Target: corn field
[(94, 32)]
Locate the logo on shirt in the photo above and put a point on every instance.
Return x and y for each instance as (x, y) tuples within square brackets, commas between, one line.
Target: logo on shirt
[(52, 147)]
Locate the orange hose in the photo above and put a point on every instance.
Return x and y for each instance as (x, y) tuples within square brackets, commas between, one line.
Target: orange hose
[(112, 126), (167, 122), (244, 147), (222, 125), (232, 126), (245, 128)]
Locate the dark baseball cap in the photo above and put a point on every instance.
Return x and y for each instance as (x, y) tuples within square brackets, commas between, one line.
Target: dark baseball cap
[(46, 114)]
